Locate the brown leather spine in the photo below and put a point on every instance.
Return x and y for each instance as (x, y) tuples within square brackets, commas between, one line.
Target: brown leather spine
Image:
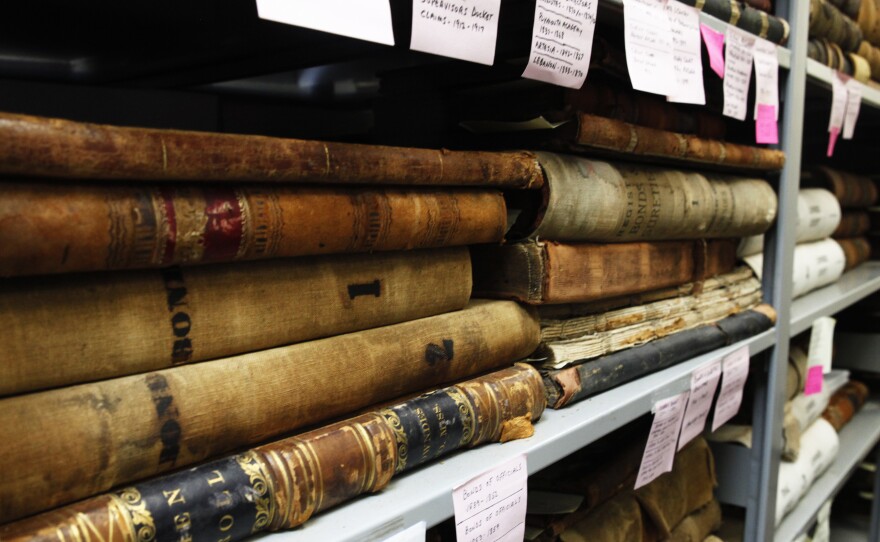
[(844, 404), (140, 321), (852, 190), (856, 250), (292, 479), (853, 224), (617, 136), (78, 441), (51, 228), (62, 148), (577, 273)]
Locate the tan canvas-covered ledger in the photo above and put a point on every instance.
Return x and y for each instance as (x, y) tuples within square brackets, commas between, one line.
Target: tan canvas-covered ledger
[(128, 322), (73, 442)]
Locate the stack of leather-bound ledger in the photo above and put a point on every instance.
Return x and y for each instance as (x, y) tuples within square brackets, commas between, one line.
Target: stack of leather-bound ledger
[(845, 35), (181, 300)]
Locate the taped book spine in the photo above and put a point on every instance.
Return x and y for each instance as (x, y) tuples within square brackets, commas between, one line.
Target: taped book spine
[(588, 200), (566, 386), (281, 485), (139, 426), (548, 272), (51, 147), (617, 136), (141, 321), (52, 228)]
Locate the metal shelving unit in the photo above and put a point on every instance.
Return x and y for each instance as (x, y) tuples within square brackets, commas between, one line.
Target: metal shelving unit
[(426, 494), (852, 286), (856, 440)]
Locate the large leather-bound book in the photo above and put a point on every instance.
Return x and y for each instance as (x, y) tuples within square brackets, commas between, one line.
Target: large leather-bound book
[(73, 442), (745, 17), (844, 404), (538, 272), (127, 322), (853, 223), (856, 251), (589, 200), (829, 22), (61, 148), (851, 189), (54, 228), (280, 485), (593, 133), (572, 384), (815, 264), (818, 215), (580, 339)]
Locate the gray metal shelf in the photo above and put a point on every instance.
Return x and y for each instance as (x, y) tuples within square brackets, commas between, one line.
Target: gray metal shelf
[(426, 494), (856, 440), (852, 286), (819, 73)]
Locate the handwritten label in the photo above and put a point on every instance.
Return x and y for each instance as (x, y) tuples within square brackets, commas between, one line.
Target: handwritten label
[(766, 75), (853, 106), (766, 127), (735, 371), (416, 533), (814, 381), (715, 47), (684, 22), (463, 29), (737, 72), (492, 506), (368, 20), (660, 448), (648, 46), (821, 343), (704, 381), (838, 110), (562, 41)]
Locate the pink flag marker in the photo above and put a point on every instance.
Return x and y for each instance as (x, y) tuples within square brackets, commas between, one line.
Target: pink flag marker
[(715, 45), (814, 380), (832, 140), (766, 128)]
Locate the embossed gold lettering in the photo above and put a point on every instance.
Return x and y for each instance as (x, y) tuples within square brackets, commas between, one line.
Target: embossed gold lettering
[(182, 522), (174, 497), (218, 479), (224, 499), (226, 522)]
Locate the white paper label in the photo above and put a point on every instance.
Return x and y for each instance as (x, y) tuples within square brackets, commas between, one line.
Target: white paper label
[(492, 506), (838, 103), (821, 343), (463, 29), (562, 41), (735, 371), (416, 533), (737, 72), (368, 20), (660, 448), (704, 381), (684, 23), (853, 106), (766, 75), (648, 43)]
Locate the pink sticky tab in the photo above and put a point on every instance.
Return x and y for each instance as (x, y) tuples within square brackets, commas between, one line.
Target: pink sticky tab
[(832, 139), (715, 46), (766, 128), (814, 380)]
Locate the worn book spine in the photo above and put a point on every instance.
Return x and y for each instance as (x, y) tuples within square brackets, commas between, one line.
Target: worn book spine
[(548, 272), (819, 447), (280, 485), (77, 441), (844, 404), (55, 228), (558, 354), (61, 148), (572, 384), (589, 200), (621, 137), (574, 310), (751, 20), (852, 190), (129, 322), (852, 224), (856, 251), (815, 264), (818, 215), (719, 291), (829, 22)]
